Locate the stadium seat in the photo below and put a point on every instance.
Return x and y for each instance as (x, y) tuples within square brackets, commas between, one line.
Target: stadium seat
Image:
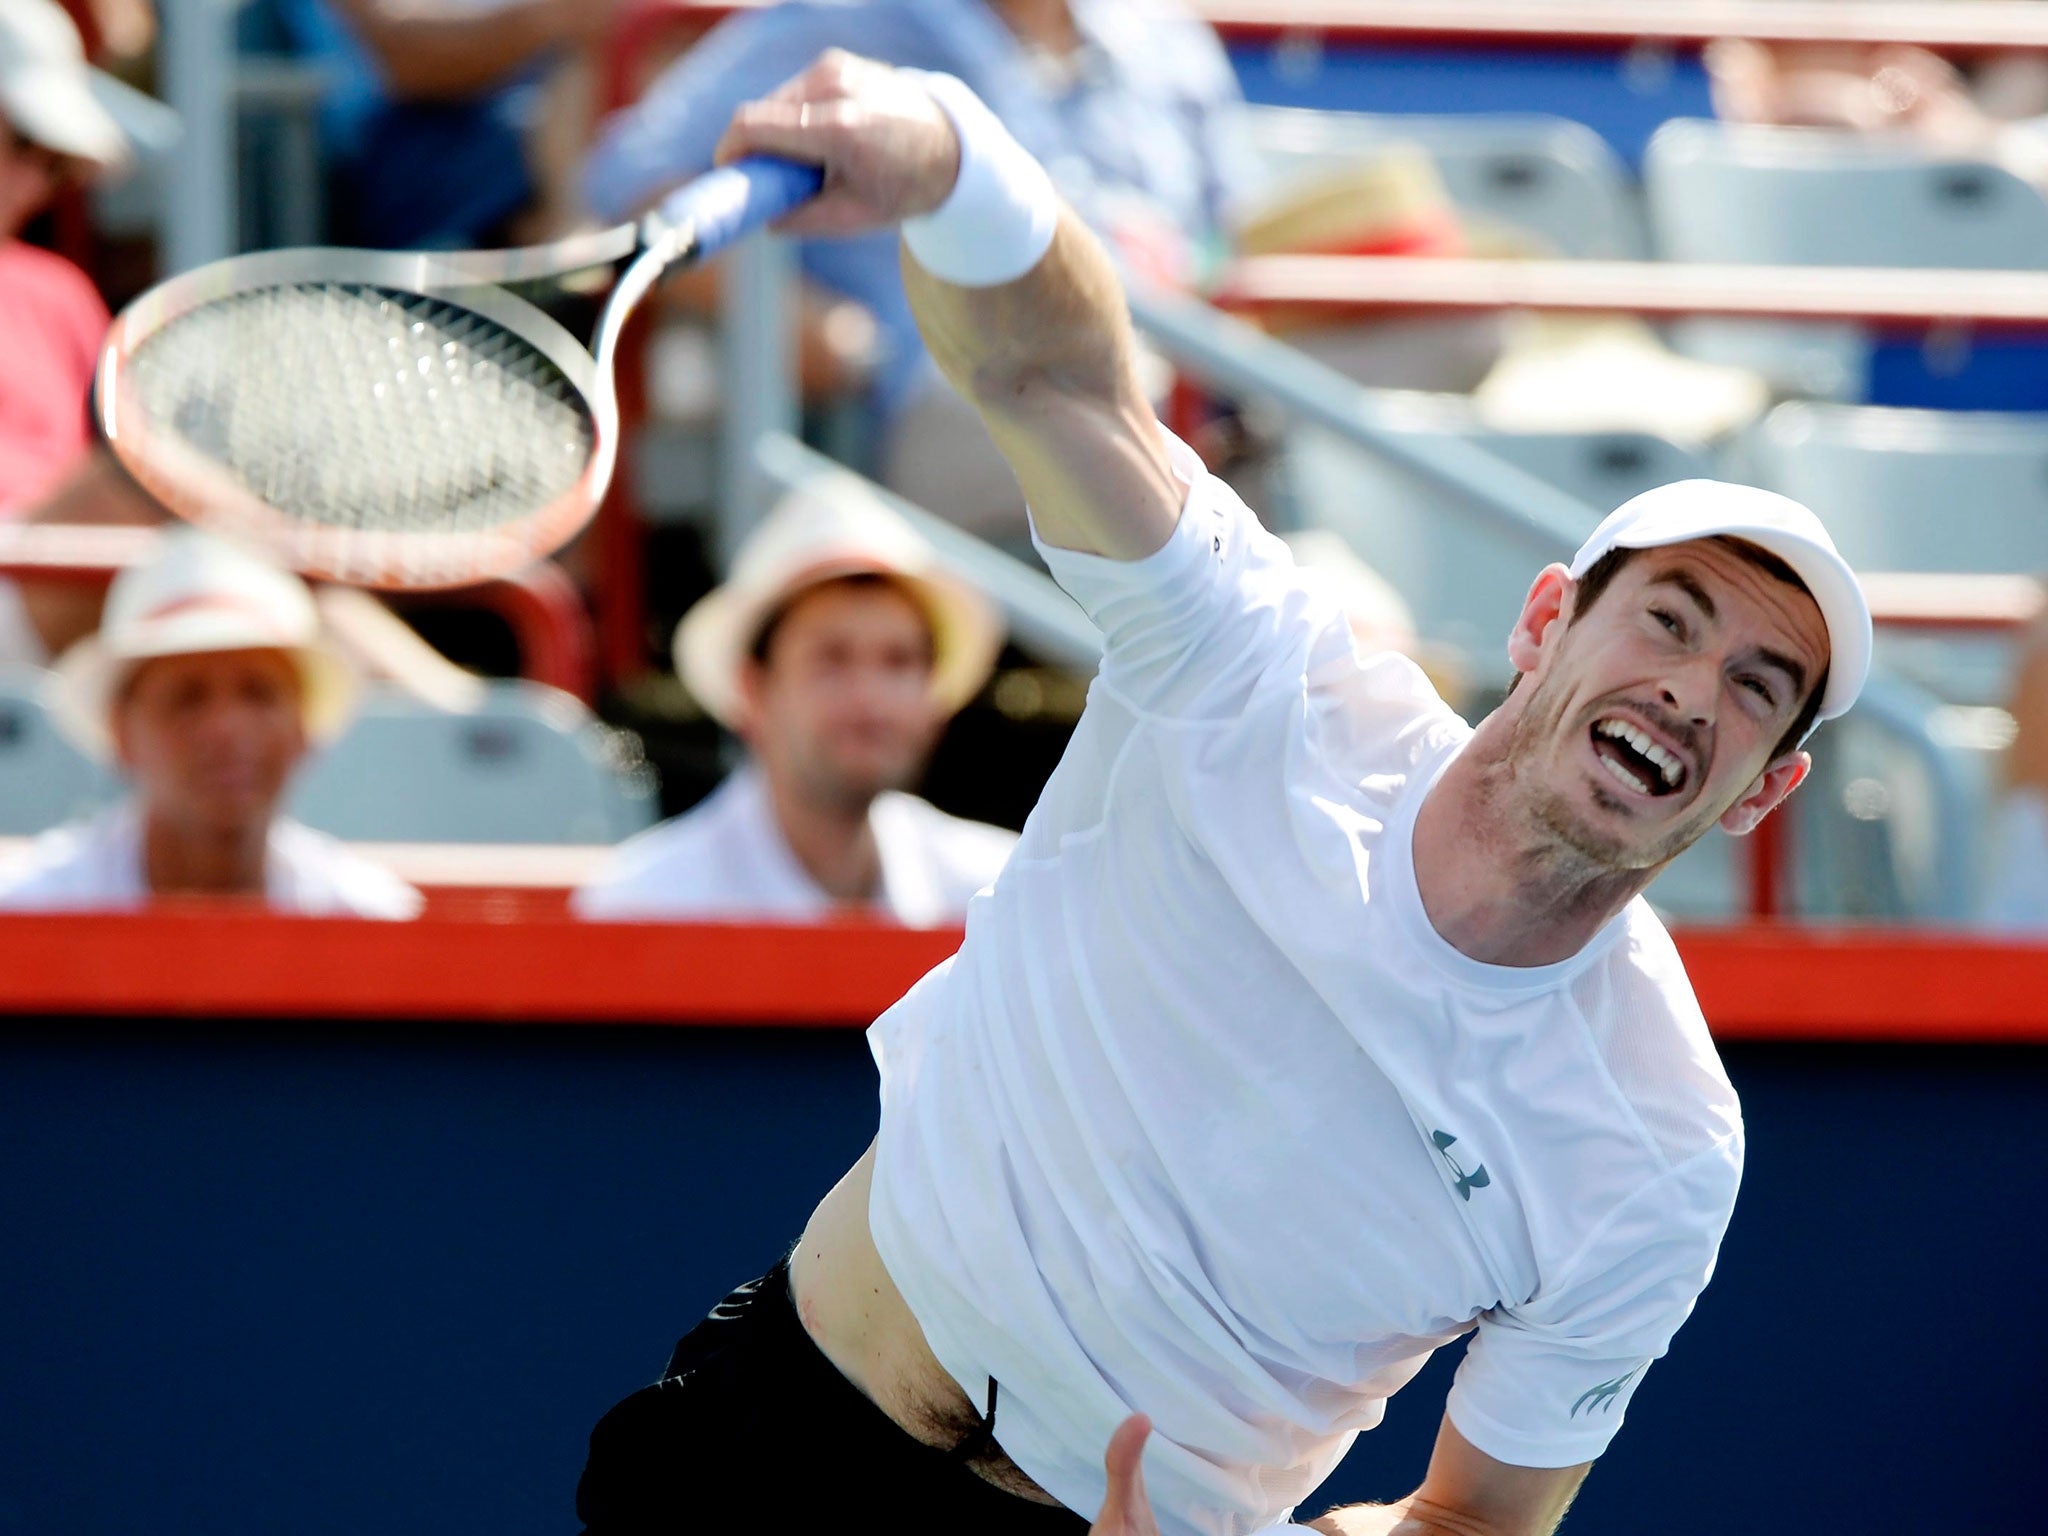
[(44, 779), (1913, 490), (1546, 176), (1461, 576), (1824, 197), (1729, 192), (529, 766), (1891, 823)]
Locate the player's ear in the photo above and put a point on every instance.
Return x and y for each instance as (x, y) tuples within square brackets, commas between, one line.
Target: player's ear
[(1766, 793), (1541, 609)]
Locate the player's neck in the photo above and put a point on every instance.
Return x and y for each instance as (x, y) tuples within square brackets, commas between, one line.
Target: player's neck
[(1496, 885), (182, 860), (833, 842)]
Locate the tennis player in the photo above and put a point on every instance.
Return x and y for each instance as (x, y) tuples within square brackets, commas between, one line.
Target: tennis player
[(1307, 1029)]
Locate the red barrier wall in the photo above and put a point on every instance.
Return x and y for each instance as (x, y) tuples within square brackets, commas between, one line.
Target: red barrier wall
[(510, 957)]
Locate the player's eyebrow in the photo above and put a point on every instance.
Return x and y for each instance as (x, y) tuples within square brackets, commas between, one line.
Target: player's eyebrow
[(1794, 672), (1687, 583)]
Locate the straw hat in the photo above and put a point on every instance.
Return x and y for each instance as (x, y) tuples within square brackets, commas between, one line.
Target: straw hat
[(48, 92), (198, 594), (834, 526)]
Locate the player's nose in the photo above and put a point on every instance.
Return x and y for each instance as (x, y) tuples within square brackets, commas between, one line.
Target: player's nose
[(1690, 687)]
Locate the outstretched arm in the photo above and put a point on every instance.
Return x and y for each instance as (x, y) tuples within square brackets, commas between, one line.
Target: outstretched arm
[(1048, 358)]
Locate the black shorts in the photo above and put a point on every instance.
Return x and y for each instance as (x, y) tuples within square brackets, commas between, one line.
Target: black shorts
[(751, 1421)]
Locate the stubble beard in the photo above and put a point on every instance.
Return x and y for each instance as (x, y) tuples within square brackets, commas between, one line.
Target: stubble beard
[(1572, 841)]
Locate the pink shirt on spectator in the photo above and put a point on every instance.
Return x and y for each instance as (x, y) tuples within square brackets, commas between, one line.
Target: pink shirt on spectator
[(51, 323)]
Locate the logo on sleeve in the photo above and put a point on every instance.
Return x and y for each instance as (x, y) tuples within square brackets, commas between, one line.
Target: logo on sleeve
[(1467, 1182), (1602, 1396)]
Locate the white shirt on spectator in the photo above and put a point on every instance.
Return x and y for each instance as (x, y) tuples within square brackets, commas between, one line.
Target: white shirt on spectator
[(1206, 1120), (2017, 902), (96, 866), (727, 858)]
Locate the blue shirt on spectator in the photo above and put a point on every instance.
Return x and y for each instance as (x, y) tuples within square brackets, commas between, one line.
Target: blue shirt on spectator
[(1140, 124), (414, 175)]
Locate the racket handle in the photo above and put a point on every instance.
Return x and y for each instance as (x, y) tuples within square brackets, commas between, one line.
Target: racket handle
[(738, 199)]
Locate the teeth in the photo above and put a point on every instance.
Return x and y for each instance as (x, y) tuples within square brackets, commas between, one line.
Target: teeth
[(1667, 762), (1622, 776)]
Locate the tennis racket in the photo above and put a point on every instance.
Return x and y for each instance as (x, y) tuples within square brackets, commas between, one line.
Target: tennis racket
[(400, 420)]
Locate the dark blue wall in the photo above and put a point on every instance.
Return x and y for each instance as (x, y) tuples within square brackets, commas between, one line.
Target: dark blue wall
[(1622, 101), (310, 1279)]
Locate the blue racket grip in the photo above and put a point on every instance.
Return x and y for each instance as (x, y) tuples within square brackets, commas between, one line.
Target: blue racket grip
[(737, 199)]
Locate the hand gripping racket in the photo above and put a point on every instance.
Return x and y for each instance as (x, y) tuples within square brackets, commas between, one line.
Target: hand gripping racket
[(395, 420)]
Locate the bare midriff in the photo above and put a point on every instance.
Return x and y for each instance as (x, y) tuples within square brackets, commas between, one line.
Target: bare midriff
[(860, 1322)]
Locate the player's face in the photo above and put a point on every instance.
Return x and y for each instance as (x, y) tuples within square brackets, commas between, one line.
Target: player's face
[(209, 740), (1657, 713), (841, 708)]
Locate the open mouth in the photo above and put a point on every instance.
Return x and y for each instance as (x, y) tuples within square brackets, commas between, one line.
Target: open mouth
[(1634, 759)]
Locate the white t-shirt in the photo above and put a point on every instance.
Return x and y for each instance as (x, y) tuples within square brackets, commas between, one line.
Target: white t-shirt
[(727, 858), (1206, 1120), (96, 866)]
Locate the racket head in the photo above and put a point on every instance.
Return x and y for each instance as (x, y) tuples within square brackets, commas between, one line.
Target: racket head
[(382, 419)]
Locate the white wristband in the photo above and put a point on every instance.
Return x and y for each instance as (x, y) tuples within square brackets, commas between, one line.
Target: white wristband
[(999, 219)]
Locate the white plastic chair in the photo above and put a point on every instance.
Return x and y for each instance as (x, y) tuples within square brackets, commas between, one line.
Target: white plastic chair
[(44, 779), (531, 765), (1739, 192), (1549, 176), (1904, 490)]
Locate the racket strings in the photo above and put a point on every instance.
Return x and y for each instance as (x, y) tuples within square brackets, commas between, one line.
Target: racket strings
[(359, 407)]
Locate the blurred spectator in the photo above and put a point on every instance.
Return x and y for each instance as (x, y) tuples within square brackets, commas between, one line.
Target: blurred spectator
[(450, 122), (51, 316), (1130, 104), (1994, 111), (53, 132), (2018, 894), (206, 685), (838, 651)]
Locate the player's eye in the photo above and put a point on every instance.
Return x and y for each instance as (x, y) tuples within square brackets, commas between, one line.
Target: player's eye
[(1762, 690), (1667, 618)]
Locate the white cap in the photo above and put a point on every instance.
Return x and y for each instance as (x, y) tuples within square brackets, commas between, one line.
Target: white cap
[(198, 594), (834, 526), (1711, 509), (46, 89)]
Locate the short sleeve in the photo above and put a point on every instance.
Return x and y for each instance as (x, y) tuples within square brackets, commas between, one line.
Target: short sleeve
[(1546, 1384), (1189, 630)]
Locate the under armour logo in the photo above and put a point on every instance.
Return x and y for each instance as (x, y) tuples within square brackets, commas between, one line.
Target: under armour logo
[(1467, 1182), (1602, 1396)]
